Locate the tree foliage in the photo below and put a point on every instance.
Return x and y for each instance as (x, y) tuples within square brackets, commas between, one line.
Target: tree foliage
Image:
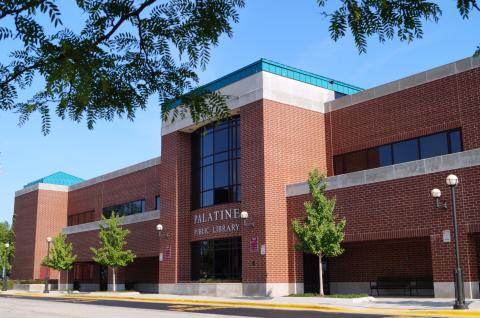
[(112, 237), (125, 52), (387, 19), (320, 233), (6, 236), (61, 255)]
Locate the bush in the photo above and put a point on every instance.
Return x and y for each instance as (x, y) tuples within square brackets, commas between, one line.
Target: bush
[(9, 284)]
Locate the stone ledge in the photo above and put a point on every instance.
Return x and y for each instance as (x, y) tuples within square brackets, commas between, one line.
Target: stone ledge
[(459, 160), (130, 219)]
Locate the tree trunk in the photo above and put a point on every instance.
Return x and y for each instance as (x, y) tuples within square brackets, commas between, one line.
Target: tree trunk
[(67, 282), (320, 273), (114, 284)]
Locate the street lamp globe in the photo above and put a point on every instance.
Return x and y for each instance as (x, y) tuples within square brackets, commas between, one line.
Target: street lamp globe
[(49, 239), (244, 215), (452, 180), (436, 193), (159, 227)]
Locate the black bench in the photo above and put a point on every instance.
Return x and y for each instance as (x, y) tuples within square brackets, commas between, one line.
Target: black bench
[(405, 284), (391, 283)]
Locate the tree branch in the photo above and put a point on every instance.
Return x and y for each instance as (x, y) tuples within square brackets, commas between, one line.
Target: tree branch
[(122, 20), (26, 6), (475, 5)]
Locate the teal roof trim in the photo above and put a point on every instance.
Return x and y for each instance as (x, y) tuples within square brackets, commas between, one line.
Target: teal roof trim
[(285, 71), (60, 178)]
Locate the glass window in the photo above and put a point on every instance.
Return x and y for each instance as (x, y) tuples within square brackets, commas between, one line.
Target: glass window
[(157, 202), (385, 155), (215, 164), (433, 145), (455, 141), (217, 259), (404, 151), (408, 150), (81, 218), (125, 209), (355, 161)]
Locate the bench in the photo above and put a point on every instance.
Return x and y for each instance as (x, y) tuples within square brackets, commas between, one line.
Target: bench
[(391, 283), (405, 284)]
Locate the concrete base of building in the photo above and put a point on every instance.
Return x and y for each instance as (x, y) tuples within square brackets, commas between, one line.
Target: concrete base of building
[(364, 288), (119, 286), (64, 286), (37, 288), (447, 289), (349, 287), (89, 287), (228, 289)]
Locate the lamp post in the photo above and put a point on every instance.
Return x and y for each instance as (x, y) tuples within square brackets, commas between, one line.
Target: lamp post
[(47, 274), (244, 217), (452, 182), (4, 271)]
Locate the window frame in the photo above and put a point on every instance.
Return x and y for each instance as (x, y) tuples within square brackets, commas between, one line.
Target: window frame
[(341, 158), (142, 202), (229, 155)]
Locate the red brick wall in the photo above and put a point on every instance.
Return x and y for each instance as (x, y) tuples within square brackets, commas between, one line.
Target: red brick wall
[(443, 104), (142, 184), (253, 189), (143, 270), (403, 208), (51, 218), (175, 207), (143, 241), (294, 143), (38, 215), (24, 228), (366, 261)]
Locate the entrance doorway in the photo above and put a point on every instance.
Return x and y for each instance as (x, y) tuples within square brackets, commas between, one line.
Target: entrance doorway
[(103, 278), (311, 281)]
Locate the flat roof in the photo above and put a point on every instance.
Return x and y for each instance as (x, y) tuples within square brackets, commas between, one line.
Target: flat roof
[(281, 70)]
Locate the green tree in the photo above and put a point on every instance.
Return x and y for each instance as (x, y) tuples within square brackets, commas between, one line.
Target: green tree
[(387, 19), (111, 252), (6, 236), (61, 256), (320, 233), (123, 52)]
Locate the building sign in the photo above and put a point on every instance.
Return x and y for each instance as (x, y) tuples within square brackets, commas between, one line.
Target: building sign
[(446, 236), (219, 215), (168, 252), (254, 245)]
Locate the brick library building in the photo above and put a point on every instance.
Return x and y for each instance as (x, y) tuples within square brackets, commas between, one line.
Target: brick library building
[(383, 150)]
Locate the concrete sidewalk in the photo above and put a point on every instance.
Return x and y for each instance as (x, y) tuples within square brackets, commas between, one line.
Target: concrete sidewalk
[(394, 306)]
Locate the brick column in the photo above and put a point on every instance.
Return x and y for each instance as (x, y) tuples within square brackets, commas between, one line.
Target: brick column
[(175, 210)]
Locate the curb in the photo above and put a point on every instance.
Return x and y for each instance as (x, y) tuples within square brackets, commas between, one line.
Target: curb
[(265, 305)]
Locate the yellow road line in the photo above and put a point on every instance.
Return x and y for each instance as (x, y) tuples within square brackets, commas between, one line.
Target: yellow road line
[(313, 307)]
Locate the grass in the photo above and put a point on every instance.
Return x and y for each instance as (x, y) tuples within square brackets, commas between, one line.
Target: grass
[(329, 296)]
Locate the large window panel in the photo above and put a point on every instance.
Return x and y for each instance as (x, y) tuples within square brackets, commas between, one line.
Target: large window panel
[(217, 259), (437, 144), (455, 141), (405, 151), (125, 209), (216, 173)]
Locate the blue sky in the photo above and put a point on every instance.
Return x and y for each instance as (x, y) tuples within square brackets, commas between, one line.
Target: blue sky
[(289, 32)]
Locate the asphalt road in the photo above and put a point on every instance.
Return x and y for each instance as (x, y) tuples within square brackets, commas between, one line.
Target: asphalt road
[(43, 307)]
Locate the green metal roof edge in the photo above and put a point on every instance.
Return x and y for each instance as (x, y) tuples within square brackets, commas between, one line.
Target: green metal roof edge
[(284, 71), (308, 77), (59, 177)]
